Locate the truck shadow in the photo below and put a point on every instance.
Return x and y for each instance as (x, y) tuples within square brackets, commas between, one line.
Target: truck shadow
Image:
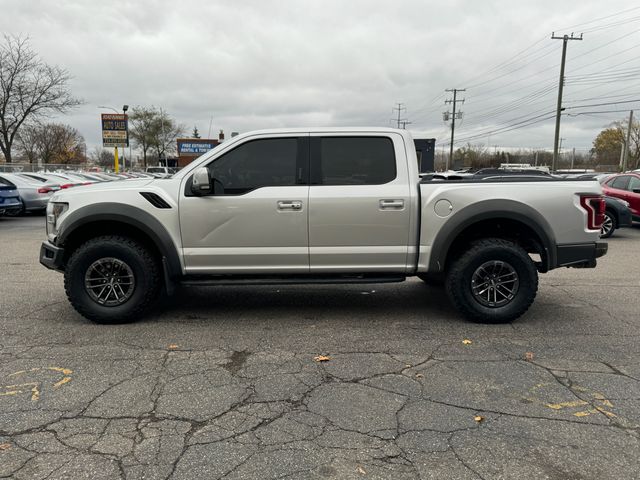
[(407, 300)]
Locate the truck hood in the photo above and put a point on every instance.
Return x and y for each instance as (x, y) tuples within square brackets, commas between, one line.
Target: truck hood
[(132, 184)]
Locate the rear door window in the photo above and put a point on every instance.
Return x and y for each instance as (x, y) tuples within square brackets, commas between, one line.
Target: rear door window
[(355, 161)]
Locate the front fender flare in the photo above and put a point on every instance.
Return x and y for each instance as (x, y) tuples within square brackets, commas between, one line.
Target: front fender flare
[(129, 215)]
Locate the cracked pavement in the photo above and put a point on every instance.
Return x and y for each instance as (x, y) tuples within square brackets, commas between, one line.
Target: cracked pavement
[(223, 382)]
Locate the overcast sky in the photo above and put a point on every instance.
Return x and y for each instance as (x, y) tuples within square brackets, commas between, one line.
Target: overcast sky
[(261, 64)]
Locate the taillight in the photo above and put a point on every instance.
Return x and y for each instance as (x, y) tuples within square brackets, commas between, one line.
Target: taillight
[(45, 190), (595, 207), (67, 185)]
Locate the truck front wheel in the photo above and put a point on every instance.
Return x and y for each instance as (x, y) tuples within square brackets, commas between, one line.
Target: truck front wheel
[(112, 279), (494, 281)]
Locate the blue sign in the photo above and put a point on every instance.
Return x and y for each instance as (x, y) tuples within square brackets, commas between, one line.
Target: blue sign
[(186, 147)]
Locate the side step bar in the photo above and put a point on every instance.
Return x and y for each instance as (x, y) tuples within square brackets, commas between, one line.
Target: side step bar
[(206, 280)]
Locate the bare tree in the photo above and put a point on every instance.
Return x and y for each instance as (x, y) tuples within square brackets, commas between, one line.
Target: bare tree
[(51, 143), (165, 133), (102, 157), (474, 156), (141, 126), (27, 142), (29, 89)]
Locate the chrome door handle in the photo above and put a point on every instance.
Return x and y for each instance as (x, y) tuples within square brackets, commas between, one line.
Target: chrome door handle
[(289, 205), (392, 204)]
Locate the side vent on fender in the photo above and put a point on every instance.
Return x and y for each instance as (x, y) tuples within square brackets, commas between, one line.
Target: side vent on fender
[(155, 200)]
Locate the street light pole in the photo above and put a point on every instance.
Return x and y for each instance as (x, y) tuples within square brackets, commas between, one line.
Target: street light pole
[(124, 148)]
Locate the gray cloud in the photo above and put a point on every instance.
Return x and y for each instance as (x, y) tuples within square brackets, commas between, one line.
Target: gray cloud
[(260, 64)]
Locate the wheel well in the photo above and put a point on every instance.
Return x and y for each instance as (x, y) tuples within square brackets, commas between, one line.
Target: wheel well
[(91, 230), (505, 228), (613, 213)]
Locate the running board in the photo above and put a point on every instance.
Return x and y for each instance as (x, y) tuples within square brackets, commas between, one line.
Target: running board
[(205, 280)]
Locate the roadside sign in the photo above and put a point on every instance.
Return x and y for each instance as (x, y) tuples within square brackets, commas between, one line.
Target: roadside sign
[(115, 130), (195, 146)]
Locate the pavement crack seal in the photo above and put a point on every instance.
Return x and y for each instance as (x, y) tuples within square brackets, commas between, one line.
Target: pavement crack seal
[(36, 386), (598, 404)]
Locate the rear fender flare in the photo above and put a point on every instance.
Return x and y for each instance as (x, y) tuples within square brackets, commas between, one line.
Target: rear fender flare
[(487, 210)]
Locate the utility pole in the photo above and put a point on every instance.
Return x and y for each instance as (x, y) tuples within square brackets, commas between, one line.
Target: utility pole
[(453, 119), (573, 157), (399, 121), (625, 163), (565, 38), (405, 123)]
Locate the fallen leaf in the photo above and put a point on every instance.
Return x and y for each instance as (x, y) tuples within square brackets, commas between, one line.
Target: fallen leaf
[(407, 366), (466, 341), (5, 446), (528, 356), (361, 470), (172, 346), (478, 418), (419, 375), (322, 358)]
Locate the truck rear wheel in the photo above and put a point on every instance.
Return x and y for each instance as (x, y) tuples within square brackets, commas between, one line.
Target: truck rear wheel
[(112, 279), (494, 281)]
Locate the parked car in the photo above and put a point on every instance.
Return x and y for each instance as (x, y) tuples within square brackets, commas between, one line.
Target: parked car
[(34, 196), (319, 206), (10, 203), (625, 186), (66, 180), (617, 215), (160, 172)]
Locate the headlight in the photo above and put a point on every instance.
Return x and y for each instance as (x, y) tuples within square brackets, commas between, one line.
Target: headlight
[(54, 211)]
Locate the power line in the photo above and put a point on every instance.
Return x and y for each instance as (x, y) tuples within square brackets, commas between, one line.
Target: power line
[(538, 52), (599, 97), (521, 124), (601, 18), (577, 114), (603, 104)]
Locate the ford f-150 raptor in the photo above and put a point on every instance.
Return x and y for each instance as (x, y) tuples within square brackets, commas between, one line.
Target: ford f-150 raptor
[(321, 205)]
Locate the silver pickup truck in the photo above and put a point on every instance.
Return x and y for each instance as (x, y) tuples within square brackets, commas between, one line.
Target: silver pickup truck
[(322, 205)]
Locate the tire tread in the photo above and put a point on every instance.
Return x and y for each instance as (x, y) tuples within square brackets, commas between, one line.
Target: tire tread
[(457, 271), (153, 278)]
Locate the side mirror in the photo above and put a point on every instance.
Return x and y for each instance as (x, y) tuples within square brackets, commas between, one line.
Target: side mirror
[(201, 182)]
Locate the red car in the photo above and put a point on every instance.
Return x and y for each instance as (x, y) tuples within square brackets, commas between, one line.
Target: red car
[(627, 187)]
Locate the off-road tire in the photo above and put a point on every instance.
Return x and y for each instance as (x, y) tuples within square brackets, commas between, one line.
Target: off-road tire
[(146, 272), (614, 225), (459, 280)]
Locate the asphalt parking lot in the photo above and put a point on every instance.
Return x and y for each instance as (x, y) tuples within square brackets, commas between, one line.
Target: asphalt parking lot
[(224, 383)]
